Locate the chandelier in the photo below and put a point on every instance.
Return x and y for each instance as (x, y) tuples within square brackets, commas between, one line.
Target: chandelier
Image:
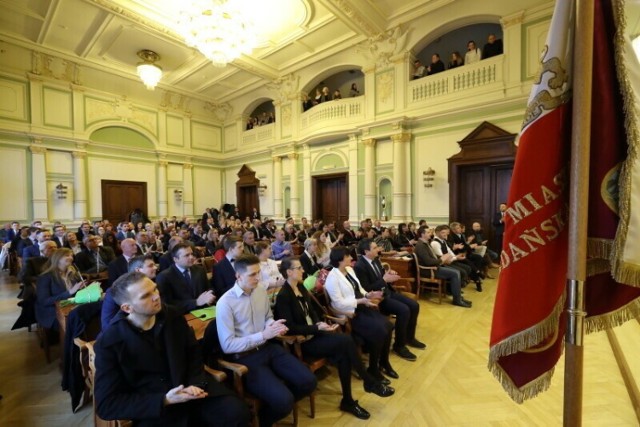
[(149, 72), (217, 28)]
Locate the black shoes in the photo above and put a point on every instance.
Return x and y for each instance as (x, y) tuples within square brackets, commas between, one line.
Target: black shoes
[(479, 285), (355, 409), (379, 377), (462, 303), (416, 344), (379, 389), (388, 371), (405, 354)]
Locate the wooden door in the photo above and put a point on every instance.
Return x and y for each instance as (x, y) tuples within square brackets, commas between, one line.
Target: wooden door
[(248, 199), (120, 198), (481, 189), (479, 177), (331, 198)]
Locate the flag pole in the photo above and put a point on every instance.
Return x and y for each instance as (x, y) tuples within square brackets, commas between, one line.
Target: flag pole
[(578, 199)]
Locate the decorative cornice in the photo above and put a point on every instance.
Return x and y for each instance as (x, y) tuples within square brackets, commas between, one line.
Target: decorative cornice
[(286, 86), (79, 154), (51, 66), (36, 149), (175, 101), (381, 49), (222, 111), (401, 137), (513, 19)]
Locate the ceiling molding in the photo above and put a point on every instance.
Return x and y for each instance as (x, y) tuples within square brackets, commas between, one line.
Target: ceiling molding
[(348, 13)]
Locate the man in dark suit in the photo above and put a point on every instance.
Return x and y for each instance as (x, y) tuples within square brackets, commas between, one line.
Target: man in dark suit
[(348, 235), (149, 366), (249, 243), (12, 232), (33, 267), (428, 258), (498, 225), (34, 249), (255, 214), (120, 265), (373, 278), (184, 285), (59, 236), (85, 230), (124, 232), (224, 275), (458, 242), (166, 260), (93, 258), (258, 232)]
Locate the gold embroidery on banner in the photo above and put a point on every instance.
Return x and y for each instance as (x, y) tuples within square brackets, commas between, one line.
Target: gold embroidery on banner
[(544, 100)]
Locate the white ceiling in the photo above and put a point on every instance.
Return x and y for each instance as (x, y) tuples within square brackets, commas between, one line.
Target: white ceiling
[(106, 35)]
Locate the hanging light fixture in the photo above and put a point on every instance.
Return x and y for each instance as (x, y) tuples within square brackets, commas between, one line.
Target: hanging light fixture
[(217, 28), (149, 72)]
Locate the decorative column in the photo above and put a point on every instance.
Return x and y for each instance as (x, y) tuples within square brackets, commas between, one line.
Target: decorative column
[(354, 197), (369, 177), (187, 196), (80, 185), (277, 187), (39, 182), (400, 188), (163, 204), (306, 181), (293, 183)]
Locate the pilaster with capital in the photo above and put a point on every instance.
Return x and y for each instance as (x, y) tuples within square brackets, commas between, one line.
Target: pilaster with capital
[(512, 43), (369, 177), (401, 192), (353, 179), (80, 185), (39, 182), (162, 188), (277, 185), (293, 184), (306, 181), (187, 196)]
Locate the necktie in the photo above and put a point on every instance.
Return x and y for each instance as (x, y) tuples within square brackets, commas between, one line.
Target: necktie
[(187, 278), (356, 288), (97, 261), (376, 269)]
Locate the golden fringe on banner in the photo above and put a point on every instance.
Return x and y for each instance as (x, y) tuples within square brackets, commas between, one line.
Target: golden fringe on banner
[(522, 341), (614, 318), (598, 266), (599, 248), (623, 272)]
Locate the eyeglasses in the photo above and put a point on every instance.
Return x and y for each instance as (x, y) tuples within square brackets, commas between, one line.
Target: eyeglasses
[(296, 268)]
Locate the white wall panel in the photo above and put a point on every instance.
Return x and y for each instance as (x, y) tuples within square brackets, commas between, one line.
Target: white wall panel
[(14, 185)]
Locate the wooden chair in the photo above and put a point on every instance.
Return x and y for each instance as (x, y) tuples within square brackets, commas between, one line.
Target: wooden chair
[(87, 361), (427, 280), (208, 263)]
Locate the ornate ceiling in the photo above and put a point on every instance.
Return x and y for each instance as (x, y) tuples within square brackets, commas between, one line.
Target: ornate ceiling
[(104, 36)]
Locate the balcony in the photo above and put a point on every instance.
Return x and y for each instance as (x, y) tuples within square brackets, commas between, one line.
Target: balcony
[(484, 76), (338, 114), (264, 133)]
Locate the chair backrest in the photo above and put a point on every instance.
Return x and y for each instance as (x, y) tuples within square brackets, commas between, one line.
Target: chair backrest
[(208, 263), (210, 344)]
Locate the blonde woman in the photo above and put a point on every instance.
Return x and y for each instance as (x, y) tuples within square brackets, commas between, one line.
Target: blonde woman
[(323, 248), (58, 282)]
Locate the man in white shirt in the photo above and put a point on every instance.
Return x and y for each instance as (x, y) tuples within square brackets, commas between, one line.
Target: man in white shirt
[(245, 325)]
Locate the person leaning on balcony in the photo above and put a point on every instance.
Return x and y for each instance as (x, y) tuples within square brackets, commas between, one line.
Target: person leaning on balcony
[(473, 53), (456, 60), (354, 90), (337, 94), (326, 95), (436, 66), (418, 69), (318, 98)]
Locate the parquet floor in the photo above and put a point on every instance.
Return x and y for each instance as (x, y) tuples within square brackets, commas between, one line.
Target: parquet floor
[(449, 385)]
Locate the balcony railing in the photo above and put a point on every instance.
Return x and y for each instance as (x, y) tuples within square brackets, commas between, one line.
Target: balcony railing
[(338, 112), (480, 74), (259, 134)]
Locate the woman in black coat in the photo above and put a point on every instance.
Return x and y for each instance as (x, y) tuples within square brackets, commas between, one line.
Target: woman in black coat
[(294, 304)]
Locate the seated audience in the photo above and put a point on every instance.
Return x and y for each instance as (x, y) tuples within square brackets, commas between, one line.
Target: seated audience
[(33, 250), (59, 236), (245, 325), (270, 276), (308, 259), (295, 306), (428, 258), (93, 258), (185, 284), (492, 48), (120, 264), (350, 299), (280, 247), (224, 273), (248, 243), (142, 263), (458, 242), (73, 244), (323, 248), (149, 366), (166, 260), (32, 268), (58, 282), (373, 277)]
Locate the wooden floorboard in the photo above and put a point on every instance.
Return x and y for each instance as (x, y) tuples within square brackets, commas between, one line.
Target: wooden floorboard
[(449, 384)]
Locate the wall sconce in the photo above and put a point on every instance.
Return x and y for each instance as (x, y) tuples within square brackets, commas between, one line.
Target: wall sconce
[(61, 191), (428, 177), (262, 189), (177, 194)]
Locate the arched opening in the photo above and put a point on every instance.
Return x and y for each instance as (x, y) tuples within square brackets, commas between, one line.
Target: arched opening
[(457, 40), (263, 114), (334, 84), (385, 202), (287, 202), (119, 135)]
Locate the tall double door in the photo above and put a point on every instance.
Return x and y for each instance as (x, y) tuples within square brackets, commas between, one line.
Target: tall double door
[(331, 198)]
